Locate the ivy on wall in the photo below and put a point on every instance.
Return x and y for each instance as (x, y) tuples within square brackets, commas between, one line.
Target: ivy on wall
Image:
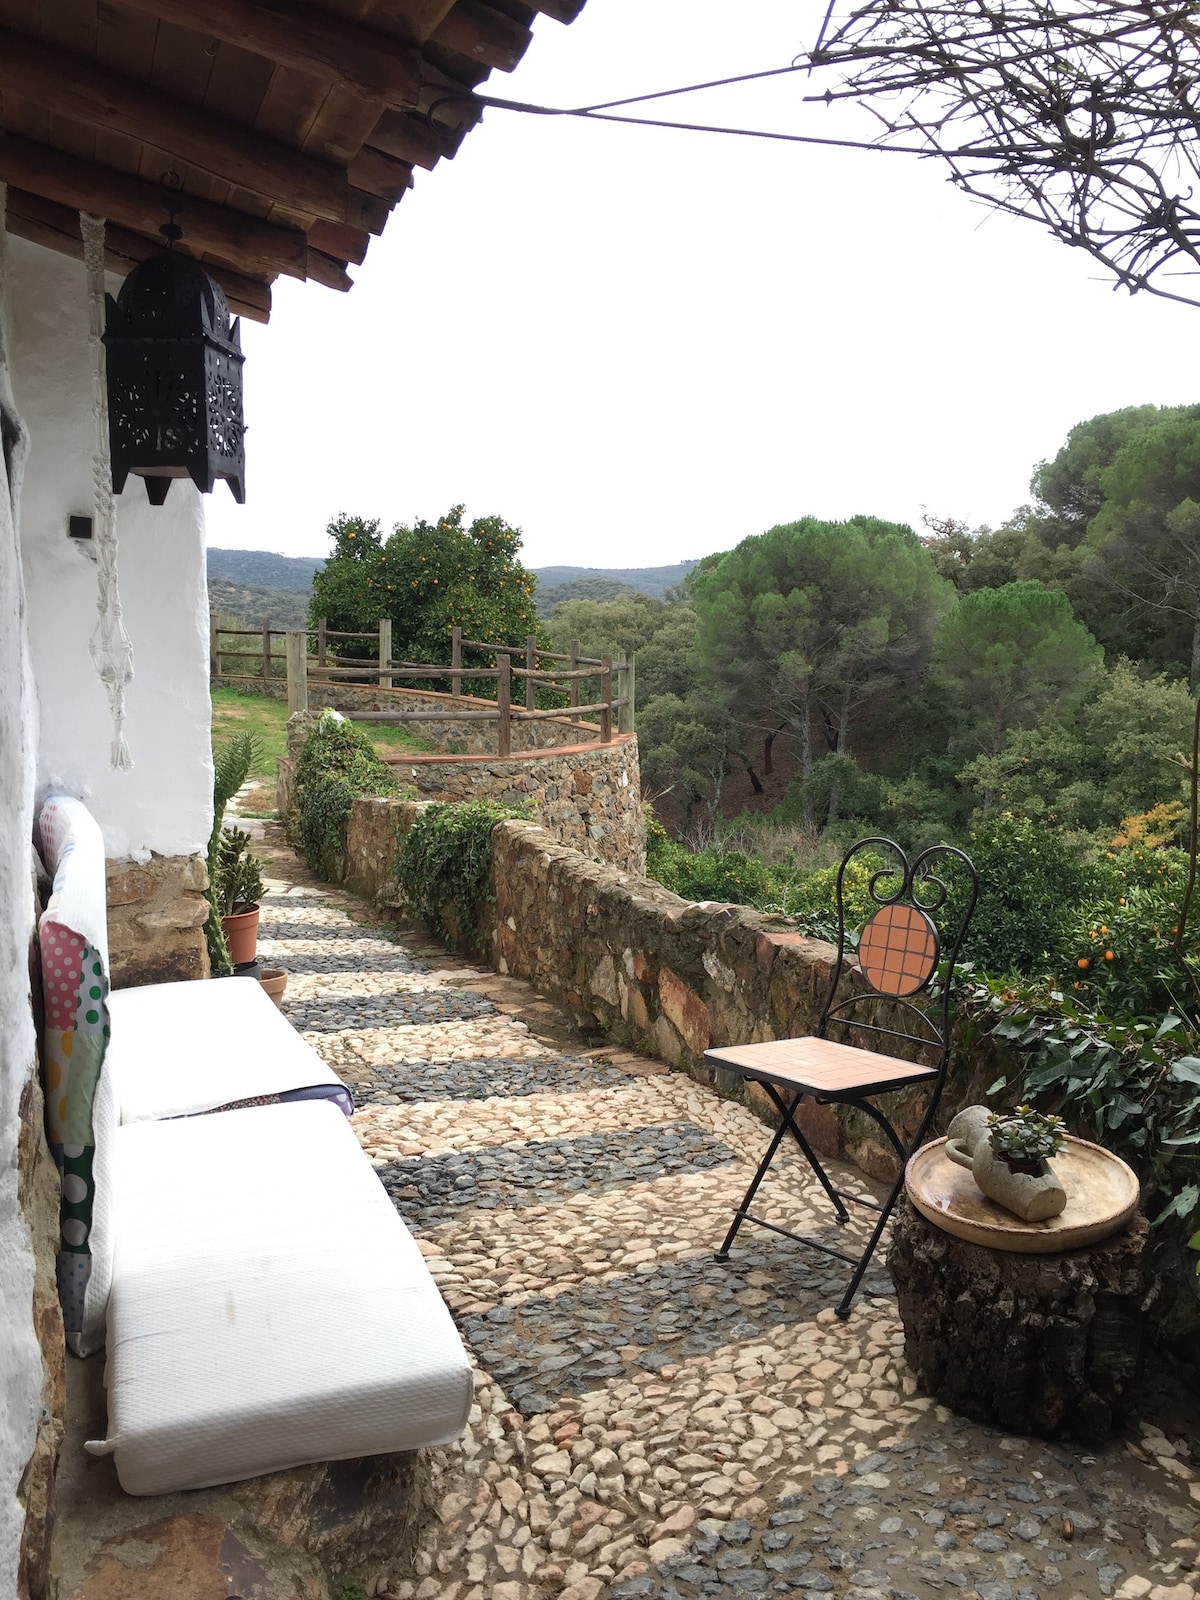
[(337, 764), (444, 861)]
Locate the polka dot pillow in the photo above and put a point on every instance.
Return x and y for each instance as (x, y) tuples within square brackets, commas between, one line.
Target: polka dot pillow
[(75, 986)]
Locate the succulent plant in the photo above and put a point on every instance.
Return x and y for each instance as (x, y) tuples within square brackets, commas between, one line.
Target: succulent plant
[(1025, 1136), (237, 881)]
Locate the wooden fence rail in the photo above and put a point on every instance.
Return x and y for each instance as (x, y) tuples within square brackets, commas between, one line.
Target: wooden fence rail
[(308, 657)]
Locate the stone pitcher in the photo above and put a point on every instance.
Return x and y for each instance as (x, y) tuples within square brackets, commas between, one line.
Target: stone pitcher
[(1034, 1197)]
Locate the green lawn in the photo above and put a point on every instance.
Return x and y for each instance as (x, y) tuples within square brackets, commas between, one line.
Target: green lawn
[(235, 712)]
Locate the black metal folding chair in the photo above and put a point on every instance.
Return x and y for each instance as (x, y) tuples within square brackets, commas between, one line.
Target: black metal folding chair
[(900, 950)]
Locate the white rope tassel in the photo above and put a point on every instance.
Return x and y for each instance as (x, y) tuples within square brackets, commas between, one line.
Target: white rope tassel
[(111, 650)]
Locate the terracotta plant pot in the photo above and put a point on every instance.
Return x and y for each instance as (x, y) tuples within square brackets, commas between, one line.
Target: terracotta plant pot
[(274, 981), (241, 935)]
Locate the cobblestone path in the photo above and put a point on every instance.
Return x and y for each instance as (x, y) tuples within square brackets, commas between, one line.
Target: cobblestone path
[(649, 1423)]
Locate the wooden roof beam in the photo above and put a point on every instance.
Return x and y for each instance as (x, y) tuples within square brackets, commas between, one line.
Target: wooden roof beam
[(245, 242), (44, 222), (379, 173), (410, 138), (560, 10), (296, 35), (84, 92), (483, 35)]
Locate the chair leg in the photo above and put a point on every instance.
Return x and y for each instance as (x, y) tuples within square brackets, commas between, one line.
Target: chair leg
[(787, 1124), (748, 1198), (843, 1309), (788, 1113), (904, 1152)]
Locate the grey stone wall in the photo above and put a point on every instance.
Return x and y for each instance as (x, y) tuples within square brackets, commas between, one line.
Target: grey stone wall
[(657, 972), (589, 798), (586, 796), (156, 915)]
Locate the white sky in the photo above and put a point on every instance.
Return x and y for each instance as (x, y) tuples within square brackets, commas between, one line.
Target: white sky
[(640, 346)]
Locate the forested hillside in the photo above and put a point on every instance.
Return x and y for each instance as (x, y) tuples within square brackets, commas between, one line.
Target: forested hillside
[(261, 569), (252, 584)]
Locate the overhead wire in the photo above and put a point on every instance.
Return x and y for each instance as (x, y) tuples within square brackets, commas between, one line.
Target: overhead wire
[(597, 113)]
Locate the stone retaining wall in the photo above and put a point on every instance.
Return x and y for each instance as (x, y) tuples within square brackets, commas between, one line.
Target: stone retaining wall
[(589, 796), (156, 915), (668, 977)]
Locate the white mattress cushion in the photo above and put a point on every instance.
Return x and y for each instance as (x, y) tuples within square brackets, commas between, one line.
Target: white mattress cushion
[(265, 1313), (177, 1049)]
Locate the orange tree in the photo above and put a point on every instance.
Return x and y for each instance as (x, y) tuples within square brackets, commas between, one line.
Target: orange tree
[(428, 579)]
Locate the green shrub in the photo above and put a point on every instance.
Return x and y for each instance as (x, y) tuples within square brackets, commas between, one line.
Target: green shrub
[(812, 898), (1032, 882), (336, 765), (443, 863), (666, 859), (731, 877), (836, 787), (1123, 961), (735, 878)]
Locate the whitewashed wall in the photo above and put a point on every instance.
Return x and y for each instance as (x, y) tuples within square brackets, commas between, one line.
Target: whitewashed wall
[(20, 1356), (164, 803)]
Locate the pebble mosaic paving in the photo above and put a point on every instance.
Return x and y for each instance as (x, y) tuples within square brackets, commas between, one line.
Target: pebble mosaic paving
[(650, 1424)]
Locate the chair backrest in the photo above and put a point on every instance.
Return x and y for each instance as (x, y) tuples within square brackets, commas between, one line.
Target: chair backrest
[(916, 929)]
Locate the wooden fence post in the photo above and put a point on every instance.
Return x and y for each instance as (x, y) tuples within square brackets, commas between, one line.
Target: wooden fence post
[(321, 629), (575, 681), (385, 651), (625, 692), (297, 672), (504, 705), (266, 649), (214, 650), (530, 666), (456, 661), (606, 698)]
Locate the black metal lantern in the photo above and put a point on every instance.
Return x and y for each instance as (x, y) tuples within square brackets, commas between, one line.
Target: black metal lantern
[(174, 361)]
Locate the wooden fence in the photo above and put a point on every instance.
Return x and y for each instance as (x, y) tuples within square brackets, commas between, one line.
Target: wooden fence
[(266, 662), (311, 654)]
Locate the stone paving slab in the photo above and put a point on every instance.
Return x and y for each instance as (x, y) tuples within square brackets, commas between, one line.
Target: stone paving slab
[(650, 1424), (315, 1013), (481, 1078), (539, 1170), (433, 1127)]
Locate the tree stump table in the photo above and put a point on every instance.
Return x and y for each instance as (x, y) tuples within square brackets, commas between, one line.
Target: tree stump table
[(1034, 1343)]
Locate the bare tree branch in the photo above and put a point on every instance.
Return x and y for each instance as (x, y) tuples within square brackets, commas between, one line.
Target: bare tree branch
[(1085, 118)]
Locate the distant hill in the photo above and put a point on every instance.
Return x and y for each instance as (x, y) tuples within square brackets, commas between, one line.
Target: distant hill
[(249, 604), (261, 570), (252, 584), (580, 589), (644, 580)]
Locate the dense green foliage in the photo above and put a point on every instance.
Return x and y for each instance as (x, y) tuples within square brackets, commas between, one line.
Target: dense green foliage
[(816, 619), (428, 579), (443, 864), (336, 765), (1032, 886), (1008, 657), (734, 877)]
